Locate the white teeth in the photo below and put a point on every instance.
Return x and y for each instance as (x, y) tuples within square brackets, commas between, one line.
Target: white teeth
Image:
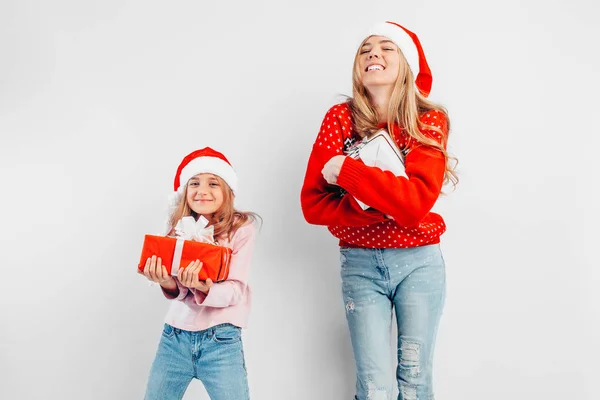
[(375, 67)]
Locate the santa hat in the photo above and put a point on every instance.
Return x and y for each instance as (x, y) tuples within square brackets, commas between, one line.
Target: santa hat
[(201, 161), (205, 161), (411, 48)]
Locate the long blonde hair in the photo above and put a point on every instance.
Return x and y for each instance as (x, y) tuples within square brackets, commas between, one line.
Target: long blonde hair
[(226, 220), (405, 106)]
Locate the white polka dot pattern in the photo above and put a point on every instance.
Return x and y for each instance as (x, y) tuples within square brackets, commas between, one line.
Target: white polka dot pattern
[(389, 234), (336, 127)]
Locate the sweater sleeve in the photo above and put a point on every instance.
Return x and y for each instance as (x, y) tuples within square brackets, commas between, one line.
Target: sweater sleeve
[(321, 202), (183, 291), (231, 291), (407, 200)]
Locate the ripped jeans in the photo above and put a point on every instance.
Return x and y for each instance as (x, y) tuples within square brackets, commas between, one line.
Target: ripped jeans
[(374, 282)]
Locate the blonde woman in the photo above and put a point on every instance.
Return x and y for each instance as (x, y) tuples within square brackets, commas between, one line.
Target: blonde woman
[(390, 253)]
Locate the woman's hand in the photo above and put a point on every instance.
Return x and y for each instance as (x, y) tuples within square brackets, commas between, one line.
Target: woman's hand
[(332, 169), (189, 278), (156, 272)]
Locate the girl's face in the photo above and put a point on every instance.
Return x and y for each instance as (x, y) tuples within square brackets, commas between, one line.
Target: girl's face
[(204, 194), (378, 62)]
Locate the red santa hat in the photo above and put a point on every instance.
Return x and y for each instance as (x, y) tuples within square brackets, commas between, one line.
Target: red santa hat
[(204, 161), (411, 48)]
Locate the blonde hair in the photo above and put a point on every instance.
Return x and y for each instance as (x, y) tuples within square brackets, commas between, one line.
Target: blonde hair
[(405, 106), (226, 220)]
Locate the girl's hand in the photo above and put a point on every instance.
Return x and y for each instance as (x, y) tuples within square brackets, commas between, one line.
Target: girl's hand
[(189, 277), (156, 272), (332, 169)]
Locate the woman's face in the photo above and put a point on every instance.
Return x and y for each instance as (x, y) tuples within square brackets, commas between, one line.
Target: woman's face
[(378, 62)]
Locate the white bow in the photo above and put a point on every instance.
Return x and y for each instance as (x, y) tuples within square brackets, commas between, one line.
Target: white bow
[(188, 228)]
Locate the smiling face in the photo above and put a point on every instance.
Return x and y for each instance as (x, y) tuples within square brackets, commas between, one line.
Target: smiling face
[(378, 62), (204, 194)]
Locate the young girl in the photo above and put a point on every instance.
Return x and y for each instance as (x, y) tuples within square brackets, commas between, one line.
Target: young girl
[(390, 254), (201, 337)]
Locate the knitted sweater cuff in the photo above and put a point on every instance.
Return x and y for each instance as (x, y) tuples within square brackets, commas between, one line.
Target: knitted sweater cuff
[(350, 174)]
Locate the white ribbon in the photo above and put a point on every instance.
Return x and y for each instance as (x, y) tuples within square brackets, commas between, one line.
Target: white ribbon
[(177, 257), (189, 229)]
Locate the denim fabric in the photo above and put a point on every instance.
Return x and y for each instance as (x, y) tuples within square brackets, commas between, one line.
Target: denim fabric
[(215, 356), (375, 282)]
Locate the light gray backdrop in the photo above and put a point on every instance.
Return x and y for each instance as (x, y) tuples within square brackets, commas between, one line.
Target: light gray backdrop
[(99, 101)]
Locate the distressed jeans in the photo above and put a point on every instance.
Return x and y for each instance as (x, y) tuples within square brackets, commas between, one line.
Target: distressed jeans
[(215, 356), (374, 283)]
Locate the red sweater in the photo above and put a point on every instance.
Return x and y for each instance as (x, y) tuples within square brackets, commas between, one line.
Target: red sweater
[(408, 201)]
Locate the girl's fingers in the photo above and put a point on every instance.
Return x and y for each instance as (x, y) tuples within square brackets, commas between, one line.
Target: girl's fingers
[(164, 273), (181, 275), (147, 269), (151, 268), (160, 268), (197, 266), (184, 273), (187, 274), (196, 271), (191, 270), (194, 265)]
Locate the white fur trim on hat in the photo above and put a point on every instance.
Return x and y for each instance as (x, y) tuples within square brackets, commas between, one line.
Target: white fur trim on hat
[(209, 165)]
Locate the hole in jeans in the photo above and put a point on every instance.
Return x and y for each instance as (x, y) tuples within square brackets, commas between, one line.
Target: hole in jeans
[(375, 393), (408, 392), (350, 306), (409, 356)]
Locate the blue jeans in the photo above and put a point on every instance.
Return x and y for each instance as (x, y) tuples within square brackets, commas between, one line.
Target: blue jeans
[(215, 356), (374, 282)]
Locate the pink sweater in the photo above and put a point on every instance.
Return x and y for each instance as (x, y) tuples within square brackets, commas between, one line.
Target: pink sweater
[(227, 301)]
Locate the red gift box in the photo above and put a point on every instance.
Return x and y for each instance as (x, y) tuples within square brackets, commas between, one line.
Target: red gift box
[(177, 254)]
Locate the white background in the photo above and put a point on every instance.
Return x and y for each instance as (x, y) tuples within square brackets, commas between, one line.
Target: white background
[(99, 101)]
